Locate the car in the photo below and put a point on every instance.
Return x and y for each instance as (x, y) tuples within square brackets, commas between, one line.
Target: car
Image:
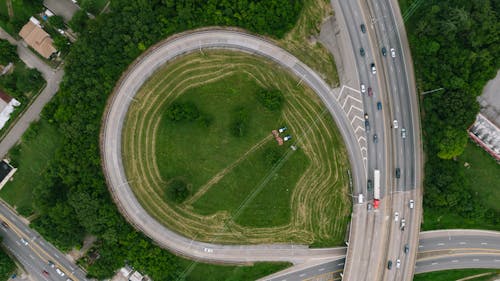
[(363, 28), (51, 264), (370, 91), (384, 51), (389, 265), (395, 124), (208, 250), (25, 243), (4, 224), (45, 273), (375, 138), (367, 126), (372, 67), (369, 206), (69, 279), (398, 173), (393, 53), (379, 106), (407, 249), (287, 138), (412, 204), (403, 133), (366, 116), (369, 185), (362, 52), (363, 88), (60, 272), (398, 263), (396, 216), (403, 224)]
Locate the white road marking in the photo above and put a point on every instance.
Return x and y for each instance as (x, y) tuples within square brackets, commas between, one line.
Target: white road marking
[(497, 260), (462, 243), (440, 244), (341, 263), (321, 269), (454, 261), (484, 243), (32, 257), (302, 275), (434, 263), (420, 246), (475, 260)]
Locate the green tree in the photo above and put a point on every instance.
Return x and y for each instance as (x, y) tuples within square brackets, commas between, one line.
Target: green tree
[(7, 265), (177, 191), (452, 143), (79, 21), (57, 21), (8, 52), (271, 99)]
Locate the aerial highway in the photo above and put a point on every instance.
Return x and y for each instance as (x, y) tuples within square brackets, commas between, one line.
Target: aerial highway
[(437, 250), (33, 252)]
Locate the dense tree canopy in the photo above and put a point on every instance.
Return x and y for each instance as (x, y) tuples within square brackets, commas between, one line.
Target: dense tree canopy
[(8, 52), (7, 265), (75, 185), (455, 46)]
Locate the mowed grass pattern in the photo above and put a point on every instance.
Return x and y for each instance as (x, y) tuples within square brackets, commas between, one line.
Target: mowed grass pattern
[(236, 197)]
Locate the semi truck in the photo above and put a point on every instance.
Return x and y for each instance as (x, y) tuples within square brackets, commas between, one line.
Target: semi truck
[(376, 188)]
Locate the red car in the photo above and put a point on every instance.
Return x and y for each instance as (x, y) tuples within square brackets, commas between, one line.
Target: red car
[(370, 91), (45, 273)]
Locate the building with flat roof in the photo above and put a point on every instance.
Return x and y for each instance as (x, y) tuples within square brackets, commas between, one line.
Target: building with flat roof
[(7, 104), (487, 135), (37, 38)]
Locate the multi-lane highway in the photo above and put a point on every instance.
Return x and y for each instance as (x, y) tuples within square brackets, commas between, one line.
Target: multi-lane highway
[(33, 252), (437, 250)]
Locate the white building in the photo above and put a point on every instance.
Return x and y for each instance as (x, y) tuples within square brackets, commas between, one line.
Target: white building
[(7, 104), (487, 135)]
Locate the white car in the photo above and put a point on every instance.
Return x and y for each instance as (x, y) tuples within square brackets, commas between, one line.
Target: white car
[(25, 243), (60, 272), (403, 133), (208, 250), (363, 88), (403, 224), (412, 204), (398, 263), (395, 123), (396, 216), (393, 53)]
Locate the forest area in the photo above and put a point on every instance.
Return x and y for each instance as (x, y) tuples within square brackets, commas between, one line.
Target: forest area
[(72, 200), (455, 46)]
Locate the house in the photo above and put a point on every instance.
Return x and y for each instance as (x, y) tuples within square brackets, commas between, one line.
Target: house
[(37, 38), (7, 104), (136, 276), (487, 135)]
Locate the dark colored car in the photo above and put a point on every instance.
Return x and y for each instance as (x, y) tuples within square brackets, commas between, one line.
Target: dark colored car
[(369, 185), (45, 273), (407, 249), (379, 105), (384, 51), (389, 264), (367, 126), (370, 91), (362, 52), (398, 173), (363, 28), (375, 138)]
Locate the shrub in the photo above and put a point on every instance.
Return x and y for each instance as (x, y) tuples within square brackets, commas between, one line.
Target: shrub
[(271, 99), (177, 191), (240, 122)]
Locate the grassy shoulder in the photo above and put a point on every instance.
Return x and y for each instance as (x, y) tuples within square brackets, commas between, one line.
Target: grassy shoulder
[(301, 42), (479, 169), (31, 157), (210, 272), (238, 194), (455, 274)]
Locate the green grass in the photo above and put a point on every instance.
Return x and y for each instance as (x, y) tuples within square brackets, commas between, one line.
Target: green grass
[(236, 195), (452, 275), (23, 10), (209, 272), (483, 174), (31, 158), (482, 179)]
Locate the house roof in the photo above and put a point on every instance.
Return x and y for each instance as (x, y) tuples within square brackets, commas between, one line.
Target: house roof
[(3, 96), (38, 39)]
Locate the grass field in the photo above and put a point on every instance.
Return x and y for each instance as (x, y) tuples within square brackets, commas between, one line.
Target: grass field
[(31, 158), (299, 41), (235, 197), (208, 272), (484, 184), (455, 274)]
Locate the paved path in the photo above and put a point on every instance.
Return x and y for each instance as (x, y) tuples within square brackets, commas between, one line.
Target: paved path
[(111, 145)]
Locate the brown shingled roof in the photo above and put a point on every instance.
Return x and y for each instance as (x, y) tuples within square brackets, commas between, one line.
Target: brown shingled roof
[(3, 96), (38, 39)]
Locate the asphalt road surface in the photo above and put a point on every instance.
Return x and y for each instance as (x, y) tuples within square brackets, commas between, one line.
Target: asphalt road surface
[(33, 252), (111, 145)]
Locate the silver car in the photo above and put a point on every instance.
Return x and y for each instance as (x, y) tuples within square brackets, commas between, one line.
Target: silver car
[(403, 133)]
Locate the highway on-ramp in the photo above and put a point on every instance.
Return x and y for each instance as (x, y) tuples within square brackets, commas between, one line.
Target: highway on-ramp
[(115, 115)]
